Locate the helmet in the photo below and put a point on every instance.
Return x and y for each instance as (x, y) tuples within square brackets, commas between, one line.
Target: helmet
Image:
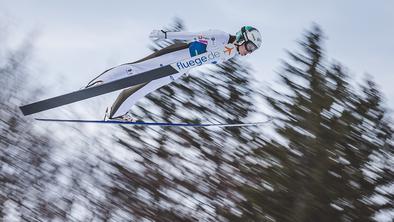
[(249, 36)]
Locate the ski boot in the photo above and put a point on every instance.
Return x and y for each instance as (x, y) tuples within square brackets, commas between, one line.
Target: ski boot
[(124, 118), (91, 84)]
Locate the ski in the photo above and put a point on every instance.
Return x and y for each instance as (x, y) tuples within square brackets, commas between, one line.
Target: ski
[(153, 123), (97, 90), (167, 70)]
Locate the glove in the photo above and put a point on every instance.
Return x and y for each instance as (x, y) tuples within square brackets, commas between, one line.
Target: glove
[(158, 34)]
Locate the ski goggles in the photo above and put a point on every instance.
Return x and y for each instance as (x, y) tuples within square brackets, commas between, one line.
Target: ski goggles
[(250, 46)]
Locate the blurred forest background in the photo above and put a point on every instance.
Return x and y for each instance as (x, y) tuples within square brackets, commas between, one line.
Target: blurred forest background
[(327, 156)]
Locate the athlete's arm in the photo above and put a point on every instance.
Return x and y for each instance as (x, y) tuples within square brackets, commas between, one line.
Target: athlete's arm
[(188, 36)]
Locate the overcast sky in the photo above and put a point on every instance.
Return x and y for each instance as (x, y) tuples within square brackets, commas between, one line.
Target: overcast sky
[(79, 39)]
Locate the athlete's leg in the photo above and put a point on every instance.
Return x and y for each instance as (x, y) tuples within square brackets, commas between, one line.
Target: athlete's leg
[(128, 97), (155, 60)]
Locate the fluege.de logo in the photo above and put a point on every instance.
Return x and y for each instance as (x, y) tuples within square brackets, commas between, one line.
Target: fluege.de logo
[(197, 61)]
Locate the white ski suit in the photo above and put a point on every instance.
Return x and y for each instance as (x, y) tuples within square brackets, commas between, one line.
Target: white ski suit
[(199, 48)]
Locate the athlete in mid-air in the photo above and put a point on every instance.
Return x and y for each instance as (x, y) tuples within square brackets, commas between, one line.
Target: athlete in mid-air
[(219, 46)]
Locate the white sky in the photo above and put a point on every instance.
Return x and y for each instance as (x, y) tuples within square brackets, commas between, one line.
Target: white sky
[(79, 39)]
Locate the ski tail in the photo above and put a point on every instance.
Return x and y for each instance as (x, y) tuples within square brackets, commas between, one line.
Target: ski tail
[(154, 123)]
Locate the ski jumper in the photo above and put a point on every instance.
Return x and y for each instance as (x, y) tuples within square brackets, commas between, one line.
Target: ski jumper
[(197, 48)]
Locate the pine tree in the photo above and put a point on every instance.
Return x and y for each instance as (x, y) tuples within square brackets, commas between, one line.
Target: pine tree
[(321, 158), (372, 136), (24, 151)]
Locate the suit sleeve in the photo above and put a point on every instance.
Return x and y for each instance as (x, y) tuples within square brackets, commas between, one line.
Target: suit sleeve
[(195, 36)]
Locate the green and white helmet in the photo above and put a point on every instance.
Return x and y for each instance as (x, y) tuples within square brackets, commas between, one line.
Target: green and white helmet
[(249, 36)]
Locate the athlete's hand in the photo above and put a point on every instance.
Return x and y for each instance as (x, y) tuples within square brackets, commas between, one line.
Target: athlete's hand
[(158, 34)]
